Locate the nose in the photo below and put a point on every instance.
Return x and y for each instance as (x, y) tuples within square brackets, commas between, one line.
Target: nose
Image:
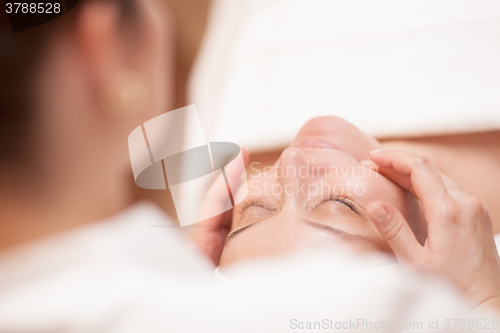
[(292, 158), (294, 166)]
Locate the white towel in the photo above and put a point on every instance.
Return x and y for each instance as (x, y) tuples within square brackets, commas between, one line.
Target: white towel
[(393, 68)]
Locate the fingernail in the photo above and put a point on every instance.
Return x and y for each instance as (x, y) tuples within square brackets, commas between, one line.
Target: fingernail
[(379, 214), (376, 151)]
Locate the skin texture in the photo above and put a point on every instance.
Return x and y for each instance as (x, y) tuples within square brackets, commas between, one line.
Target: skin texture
[(302, 202), (79, 165), (458, 246), (472, 160)]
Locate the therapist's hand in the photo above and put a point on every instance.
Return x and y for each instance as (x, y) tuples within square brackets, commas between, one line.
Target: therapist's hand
[(209, 235), (460, 244)]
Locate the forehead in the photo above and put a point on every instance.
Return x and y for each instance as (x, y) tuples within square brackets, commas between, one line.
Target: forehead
[(354, 181), (288, 233)]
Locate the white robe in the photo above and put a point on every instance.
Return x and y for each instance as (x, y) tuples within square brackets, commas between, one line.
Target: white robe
[(132, 273)]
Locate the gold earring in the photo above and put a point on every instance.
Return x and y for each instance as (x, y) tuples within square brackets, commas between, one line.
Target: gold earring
[(128, 95)]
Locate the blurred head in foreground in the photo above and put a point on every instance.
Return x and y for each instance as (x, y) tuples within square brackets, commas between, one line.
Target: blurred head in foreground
[(71, 92), (314, 196)]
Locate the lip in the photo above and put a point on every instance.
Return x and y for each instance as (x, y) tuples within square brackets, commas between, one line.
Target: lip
[(315, 143)]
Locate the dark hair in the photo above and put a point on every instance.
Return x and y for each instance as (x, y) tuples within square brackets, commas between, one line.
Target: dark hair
[(20, 54)]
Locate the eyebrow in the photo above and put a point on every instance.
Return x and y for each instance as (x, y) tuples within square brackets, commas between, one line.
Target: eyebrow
[(336, 231), (237, 231), (318, 225)]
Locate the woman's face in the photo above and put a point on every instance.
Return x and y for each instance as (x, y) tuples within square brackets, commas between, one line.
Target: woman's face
[(315, 196)]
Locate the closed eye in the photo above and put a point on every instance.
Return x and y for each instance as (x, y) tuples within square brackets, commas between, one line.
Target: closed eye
[(256, 203), (333, 197)]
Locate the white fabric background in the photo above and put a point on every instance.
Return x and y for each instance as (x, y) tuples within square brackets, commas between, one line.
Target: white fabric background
[(393, 68)]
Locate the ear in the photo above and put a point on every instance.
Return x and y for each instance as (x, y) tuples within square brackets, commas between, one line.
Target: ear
[(98, 36)]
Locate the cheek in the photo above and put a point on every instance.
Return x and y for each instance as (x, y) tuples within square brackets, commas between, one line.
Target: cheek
[(159, 58), (270, 240)]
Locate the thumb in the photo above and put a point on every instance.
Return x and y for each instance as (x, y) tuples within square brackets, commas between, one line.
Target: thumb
[(395, 230)]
